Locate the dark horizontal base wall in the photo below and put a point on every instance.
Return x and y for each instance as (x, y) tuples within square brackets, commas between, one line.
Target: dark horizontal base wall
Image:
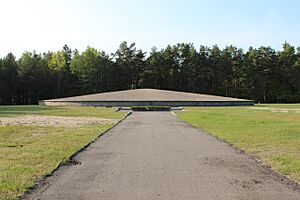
[(146, 103)]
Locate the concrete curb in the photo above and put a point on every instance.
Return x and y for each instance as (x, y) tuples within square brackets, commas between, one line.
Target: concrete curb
[(173, 113)]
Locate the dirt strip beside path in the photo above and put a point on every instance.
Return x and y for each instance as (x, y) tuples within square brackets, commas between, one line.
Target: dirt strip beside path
[(36, 120), (154, 155)]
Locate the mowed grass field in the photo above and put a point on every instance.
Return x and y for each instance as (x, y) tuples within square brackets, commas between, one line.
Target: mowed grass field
[(27, 153), (270, 132)]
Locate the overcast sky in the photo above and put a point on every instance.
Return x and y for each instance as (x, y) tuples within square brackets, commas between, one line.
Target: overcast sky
[(44, 25)]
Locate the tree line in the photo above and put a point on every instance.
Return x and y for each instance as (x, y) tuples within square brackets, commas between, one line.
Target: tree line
[(262, 74)]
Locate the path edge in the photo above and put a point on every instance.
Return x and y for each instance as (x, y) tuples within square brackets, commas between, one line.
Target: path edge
[(284, 179), (42, 181)]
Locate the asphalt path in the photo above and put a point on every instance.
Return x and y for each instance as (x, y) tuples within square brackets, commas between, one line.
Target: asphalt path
[(154, 155)]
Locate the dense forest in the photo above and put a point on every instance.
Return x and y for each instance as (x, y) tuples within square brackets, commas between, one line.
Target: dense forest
[(262, 74)]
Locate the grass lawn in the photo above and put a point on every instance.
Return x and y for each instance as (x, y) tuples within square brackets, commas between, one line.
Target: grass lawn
[(272, 135), (9, 111), (29, 152)]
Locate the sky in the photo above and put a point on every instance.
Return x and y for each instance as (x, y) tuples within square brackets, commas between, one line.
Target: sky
[(43, 25)]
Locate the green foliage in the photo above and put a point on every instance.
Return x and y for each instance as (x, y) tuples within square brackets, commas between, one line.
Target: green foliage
[(271, 135), (10, 111), (130, 63), (261, 74), (57, 62), (8, 78), (35, 80)]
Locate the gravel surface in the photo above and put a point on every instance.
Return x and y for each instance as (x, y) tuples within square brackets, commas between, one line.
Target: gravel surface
[(147, 95)]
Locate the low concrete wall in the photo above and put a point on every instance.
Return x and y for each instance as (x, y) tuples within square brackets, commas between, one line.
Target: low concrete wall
[(146, 103)]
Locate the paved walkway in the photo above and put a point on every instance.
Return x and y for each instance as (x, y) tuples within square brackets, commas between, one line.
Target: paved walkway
[(154, 155)]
